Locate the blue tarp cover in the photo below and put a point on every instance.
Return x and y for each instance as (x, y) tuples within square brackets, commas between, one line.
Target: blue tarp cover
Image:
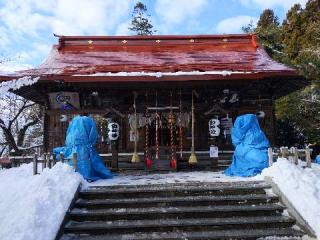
[(251, 147), (317, 160), (81, 138)]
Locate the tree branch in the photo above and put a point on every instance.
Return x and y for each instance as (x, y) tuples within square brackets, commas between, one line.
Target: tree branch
[(23, 130)]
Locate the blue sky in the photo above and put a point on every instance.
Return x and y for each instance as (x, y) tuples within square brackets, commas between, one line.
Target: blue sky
[(27, 26)]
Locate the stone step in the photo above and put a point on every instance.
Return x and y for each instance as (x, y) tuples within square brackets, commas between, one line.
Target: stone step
[(167, 225), (170, 186), (190, 235), (175, 212), (176, 201), (175, 190)]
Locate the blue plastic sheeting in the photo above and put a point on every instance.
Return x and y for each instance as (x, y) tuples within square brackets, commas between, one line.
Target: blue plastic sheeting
[(81, 139), (317, 160), (251, 147)]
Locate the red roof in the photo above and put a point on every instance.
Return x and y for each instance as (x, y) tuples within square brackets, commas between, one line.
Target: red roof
[(211, 56)]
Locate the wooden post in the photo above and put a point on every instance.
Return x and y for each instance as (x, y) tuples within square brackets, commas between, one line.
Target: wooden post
[(281, 152), (192, 159), (270, 155), (54, 159), (44, 161), (35, 164), (48, 160), (135, 156), (284, 152), (61, 157), (114, 151), (295, 156), (308, 157), (75, 161), (13, 160)]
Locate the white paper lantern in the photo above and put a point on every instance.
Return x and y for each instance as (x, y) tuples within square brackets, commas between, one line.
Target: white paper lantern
[(113, 131), (214, 129)]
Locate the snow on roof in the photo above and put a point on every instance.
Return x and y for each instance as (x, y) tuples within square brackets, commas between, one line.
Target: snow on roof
[(173, 55), (16, 84), (161, 74)]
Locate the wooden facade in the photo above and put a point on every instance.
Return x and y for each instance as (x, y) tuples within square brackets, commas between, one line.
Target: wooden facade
[(228, 75)]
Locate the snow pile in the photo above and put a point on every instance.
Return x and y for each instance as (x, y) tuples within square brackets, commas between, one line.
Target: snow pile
[(17, 83), (177, 177), (301, 186), (33, 207)]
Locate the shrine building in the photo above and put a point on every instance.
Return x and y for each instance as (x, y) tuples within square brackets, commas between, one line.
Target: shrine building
[(167, 97)]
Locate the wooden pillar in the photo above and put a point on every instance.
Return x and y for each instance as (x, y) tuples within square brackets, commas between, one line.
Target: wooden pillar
[(273, 140), (46, 123)]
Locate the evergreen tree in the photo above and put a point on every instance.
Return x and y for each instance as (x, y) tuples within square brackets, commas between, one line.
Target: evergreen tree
[(268, 19), (141, 24), (301, 40), (268, 32), (297, 43)]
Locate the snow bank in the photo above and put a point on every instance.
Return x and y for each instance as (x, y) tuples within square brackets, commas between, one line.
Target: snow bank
[(33, 207), (177, 177), (301, 186)]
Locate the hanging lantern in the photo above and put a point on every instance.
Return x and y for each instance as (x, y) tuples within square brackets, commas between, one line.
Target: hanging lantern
[(135, 156), (192, 158), (214, 129), (113, 131)]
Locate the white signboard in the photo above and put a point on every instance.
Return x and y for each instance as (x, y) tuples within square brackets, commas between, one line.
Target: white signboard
[(214, 151), (64, 100)]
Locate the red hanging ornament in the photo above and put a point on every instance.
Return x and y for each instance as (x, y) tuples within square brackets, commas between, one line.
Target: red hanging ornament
[(157, 129), (180, 127), (173, 162), (148, 163), (147, 158)]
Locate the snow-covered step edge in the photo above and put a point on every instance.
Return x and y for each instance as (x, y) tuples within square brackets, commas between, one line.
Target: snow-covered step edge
[(66, 216), (82, 203), (300, 221), (222, 234)]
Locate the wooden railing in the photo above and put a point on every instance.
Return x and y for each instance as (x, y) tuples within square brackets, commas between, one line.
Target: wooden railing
[(293, 154)]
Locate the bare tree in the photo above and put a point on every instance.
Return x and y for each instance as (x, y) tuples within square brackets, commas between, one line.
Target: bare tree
[(21, 124)]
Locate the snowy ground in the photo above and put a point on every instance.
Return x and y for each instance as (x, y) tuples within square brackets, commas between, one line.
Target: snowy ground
[(301, 186), (33, 207), (177, 177)]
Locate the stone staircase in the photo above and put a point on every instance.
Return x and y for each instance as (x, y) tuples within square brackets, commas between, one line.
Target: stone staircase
[(237, 210)]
